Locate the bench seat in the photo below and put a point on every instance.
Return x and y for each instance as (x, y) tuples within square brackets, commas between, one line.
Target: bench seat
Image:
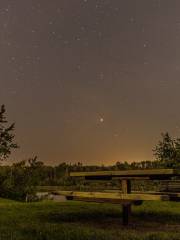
[(116, 197)]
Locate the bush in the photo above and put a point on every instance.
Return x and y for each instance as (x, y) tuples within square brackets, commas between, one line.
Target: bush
[(17, 183)]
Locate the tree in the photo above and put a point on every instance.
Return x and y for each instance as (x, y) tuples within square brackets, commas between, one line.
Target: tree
[(6, 135), (35, 171), (167, 151)]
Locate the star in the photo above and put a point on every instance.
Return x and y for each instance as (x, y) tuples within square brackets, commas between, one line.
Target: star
[(101, 120)]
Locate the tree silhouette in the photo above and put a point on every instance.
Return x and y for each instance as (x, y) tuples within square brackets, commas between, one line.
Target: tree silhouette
[(6, 135), (167, 151)]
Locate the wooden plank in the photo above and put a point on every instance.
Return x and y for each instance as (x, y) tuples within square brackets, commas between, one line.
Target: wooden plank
[(147, 192), (173, 196), (114, 196), (151, 173), (102, 200), (109, 178), (131, 178)]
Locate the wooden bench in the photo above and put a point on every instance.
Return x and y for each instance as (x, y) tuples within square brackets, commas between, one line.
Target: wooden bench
[(124, 196)]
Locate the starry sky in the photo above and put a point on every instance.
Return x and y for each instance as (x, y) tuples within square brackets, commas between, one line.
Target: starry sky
[(94, 81)]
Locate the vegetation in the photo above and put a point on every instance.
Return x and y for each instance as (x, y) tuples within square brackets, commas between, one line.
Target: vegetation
[(167, 151), (19, 180), (6, 135), (87, 221)]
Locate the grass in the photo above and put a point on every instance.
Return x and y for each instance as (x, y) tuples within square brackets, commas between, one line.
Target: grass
[(87, 221)]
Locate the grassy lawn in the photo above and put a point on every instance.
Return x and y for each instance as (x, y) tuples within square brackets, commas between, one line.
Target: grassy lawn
[(82, 221)]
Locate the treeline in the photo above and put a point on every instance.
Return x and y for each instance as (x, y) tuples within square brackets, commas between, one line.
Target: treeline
[(40, 174)]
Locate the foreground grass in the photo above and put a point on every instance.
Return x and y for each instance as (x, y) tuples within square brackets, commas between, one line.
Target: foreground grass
[(87, 221)]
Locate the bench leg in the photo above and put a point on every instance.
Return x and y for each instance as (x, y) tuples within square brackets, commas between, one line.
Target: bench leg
[(126, 211), (126, 207)]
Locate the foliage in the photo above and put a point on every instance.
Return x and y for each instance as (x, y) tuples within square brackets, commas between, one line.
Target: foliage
[(6, 135), (167, 151), (32, 173), (20, 179)]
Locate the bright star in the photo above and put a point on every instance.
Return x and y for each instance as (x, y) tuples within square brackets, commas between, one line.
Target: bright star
[(101, 120)]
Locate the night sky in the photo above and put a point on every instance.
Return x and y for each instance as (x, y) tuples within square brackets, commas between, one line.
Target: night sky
[(94, 81)]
